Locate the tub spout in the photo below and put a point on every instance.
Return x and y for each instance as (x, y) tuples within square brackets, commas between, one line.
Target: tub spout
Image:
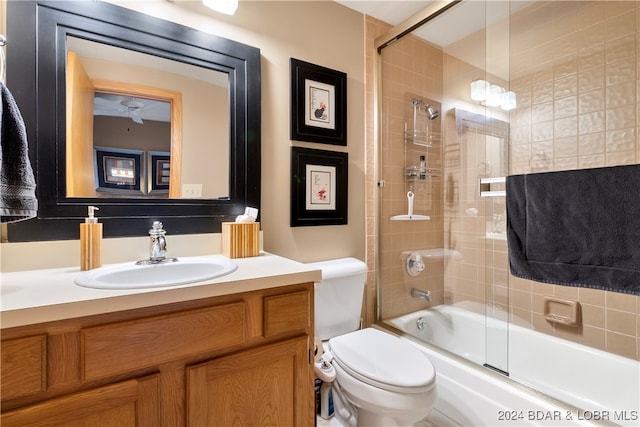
[(417, 293)]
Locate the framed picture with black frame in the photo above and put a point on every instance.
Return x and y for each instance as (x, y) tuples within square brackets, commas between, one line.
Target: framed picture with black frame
[(159, 171), (319, 181), (318, 103), (119, 170)]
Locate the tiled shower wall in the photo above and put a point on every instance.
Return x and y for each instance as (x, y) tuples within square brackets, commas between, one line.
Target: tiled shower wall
[(574, 68), (413, 70)]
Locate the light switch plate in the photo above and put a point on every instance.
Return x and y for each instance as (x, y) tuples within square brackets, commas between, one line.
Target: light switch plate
[(191, 191)]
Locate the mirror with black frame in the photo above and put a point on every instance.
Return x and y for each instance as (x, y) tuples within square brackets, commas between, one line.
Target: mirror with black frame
[(205, 172)]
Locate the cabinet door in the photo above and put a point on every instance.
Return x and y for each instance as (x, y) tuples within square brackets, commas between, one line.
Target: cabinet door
[(267, 386), (129, 403), (23, 366)]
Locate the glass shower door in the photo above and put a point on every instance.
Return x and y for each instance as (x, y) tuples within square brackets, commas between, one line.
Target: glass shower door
[(472, 145)]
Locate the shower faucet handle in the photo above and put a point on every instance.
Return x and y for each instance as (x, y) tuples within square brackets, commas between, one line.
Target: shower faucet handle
[(415, 264)]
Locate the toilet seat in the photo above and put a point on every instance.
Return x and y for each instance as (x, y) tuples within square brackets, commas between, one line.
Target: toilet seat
[(383, 360)]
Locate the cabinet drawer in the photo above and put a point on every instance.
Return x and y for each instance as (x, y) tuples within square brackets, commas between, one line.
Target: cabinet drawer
[(122, 347), (287, 313), (23, 366)]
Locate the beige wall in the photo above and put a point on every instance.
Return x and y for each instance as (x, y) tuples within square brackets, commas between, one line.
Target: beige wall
[(322, 33)]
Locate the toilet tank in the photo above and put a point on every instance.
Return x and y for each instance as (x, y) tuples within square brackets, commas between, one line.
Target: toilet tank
[(338, 297)]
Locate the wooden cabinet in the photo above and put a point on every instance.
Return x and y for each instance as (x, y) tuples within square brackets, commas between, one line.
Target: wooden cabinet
[(160, 339), (128, 403), (261, 386), (23, 366), (243, 359)]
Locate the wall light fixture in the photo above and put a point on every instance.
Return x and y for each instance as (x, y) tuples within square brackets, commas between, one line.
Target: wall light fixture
[(508, 101), (492, 95), (479, 90), (228, 7)]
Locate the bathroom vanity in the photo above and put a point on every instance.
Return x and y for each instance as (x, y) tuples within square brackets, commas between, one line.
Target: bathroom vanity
[(235, 350)]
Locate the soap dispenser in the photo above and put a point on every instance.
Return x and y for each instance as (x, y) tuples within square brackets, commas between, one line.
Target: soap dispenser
[(90, 241)]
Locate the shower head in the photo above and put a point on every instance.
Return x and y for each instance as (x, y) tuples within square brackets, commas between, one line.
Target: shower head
[(432, 112)]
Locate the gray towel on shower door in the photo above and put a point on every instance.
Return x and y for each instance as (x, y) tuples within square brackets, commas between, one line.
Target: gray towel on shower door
[(576, 228), (17, 183)]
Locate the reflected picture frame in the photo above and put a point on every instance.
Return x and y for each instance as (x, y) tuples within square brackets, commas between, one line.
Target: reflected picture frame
[(159, 169), (318, 103), (319, 185), (119, 170)]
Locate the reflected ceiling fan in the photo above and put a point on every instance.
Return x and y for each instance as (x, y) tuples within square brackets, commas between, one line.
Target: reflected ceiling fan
[(135, 108)]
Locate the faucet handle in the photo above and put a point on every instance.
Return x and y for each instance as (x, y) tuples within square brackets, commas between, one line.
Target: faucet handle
[(414, 264), (157, 229), (157, 246)]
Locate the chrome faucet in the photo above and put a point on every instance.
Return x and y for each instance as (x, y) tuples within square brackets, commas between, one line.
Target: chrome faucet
[(158, 246), (417, 293)]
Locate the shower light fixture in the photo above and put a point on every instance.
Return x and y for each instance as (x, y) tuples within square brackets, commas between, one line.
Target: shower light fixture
[(492, 95), (228, 7)]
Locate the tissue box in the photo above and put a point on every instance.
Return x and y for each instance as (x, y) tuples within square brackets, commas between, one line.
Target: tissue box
[(240, 239)]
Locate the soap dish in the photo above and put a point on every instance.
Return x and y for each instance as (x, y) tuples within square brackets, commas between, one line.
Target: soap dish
[(561, 311)]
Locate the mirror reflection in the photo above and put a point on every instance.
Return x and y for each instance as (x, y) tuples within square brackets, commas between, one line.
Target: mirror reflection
[(128, 126), (134, 120)]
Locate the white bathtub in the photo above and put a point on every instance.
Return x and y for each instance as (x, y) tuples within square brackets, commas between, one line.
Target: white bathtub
[(576, 385)]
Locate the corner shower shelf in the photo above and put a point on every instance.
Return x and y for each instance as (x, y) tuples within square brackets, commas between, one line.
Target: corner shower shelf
[(418, 173), (422, 139), (406, 217), (435, 254)]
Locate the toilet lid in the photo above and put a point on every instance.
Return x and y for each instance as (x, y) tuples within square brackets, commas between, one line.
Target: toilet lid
[(383, 360)]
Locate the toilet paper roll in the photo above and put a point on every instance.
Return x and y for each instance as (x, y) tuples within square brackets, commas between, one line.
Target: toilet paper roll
[(318, 349)]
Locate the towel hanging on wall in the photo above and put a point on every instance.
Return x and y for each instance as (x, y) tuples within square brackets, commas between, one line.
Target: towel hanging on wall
[(17, 183), (576, 228)]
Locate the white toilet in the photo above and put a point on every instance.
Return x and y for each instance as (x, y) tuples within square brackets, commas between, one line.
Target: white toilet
[(381, 380)]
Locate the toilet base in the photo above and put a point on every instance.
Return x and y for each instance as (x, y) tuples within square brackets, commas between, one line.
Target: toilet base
[(345, 413), (375, 420), (349, 415)]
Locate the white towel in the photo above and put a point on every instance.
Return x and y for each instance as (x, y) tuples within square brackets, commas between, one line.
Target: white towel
[(17, 183)]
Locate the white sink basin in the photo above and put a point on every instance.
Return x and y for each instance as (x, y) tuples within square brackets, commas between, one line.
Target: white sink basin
[(132, 276)]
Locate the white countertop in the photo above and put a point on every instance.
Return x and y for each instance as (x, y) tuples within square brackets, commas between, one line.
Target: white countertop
[(36, 296)]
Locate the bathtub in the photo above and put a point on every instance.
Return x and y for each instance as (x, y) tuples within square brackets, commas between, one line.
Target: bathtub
[(551, 382)]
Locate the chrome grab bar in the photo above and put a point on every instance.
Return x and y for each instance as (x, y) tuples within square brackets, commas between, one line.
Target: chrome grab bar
[(486, 186)]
